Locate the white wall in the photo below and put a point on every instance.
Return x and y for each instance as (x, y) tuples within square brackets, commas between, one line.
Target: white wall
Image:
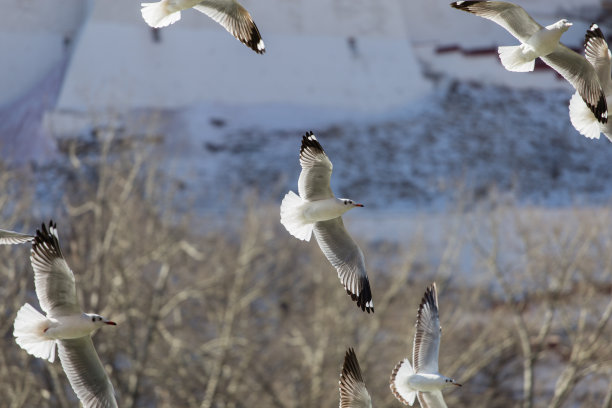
[(32, 34)]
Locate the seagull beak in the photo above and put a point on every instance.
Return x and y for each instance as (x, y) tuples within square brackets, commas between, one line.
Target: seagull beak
[(111, 323), (358, 205), (457, 384)]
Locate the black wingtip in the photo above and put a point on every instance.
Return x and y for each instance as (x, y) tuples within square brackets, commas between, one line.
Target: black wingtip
[(463, 5), (47, 237), (601, 110), (429, 298), (593, 32), (255, 42), (309, 141), (364, 300)]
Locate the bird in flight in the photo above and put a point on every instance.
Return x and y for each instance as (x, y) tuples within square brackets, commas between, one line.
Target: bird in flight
[(423, 381), (543, 42), (65, 326), (353, 392), (317, 210), (229, 13)]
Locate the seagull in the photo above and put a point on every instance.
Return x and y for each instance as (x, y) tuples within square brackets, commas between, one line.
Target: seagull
[(10, 237), (317, 209), (424, 382), (537, 41), (64, 325), (229, 13), (597, 53), (353, 392)]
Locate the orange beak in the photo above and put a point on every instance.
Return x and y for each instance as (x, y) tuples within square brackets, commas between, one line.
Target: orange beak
[(111, 323), (358, 205)]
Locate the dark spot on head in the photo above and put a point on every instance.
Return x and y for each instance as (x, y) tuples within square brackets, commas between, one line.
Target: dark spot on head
[(93, 318)]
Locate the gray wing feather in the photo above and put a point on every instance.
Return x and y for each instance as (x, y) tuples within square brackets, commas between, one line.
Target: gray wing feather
[(235, 19), (433, 399), (510, 16), (53, 279), (10, 237), (597, 53), (86, 373), (353, 392), (346, 256), (313, 183), (426, 345), (581, 74)]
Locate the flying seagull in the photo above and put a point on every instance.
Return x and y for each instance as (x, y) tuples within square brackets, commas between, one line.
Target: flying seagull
[(317, 209), (229, 13), (537, 41), (10, 237), (64, 325), (424, 381), (353, 392), (597, 53)]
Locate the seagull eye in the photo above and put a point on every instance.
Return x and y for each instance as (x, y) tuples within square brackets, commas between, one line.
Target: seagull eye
[(93, 318), (345, 202)]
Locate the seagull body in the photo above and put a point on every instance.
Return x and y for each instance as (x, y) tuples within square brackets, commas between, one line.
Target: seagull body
[(353, 392), (11, 237), (65, 326), (424, 381), (229, 13), (316, 210), (543, 42), (598, 55)]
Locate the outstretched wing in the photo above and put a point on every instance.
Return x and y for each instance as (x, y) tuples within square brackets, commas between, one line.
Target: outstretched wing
[(236, 20), (10, 237), (86, 373), (353, 392), (510, 16), (432, 399), (346, 256), (597, 53), (53, 278), (428, 331), (313, 183)]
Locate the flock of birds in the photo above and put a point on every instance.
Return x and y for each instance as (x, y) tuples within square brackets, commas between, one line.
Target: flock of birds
[(65, 328)]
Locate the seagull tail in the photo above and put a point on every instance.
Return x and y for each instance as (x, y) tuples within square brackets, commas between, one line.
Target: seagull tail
[(29, 333), (582, 118), (158, 15), (514, 59), (399, 378), (293, 219)]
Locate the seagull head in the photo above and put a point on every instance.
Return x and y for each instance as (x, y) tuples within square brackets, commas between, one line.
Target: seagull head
[(350, 203), (450, 381), (562, 25), (98, 320)]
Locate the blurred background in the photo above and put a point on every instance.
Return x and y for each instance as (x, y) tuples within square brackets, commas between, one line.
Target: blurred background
[(163, 155)]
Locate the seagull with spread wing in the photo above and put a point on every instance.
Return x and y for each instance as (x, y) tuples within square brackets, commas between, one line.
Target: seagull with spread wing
[(543, 42), (317, 210), (424, 381), (229, 13), (598, 54), (353, 392), (65, 326)]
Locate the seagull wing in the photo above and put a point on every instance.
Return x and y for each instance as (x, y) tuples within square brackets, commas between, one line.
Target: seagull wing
[(428, 331), (597, 53), (346, 256), (353, 392), (510, 16), (581, 74), (313, 183), (53, 278), (432, 399), (10, 237), (236, 20), (86, 373)]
